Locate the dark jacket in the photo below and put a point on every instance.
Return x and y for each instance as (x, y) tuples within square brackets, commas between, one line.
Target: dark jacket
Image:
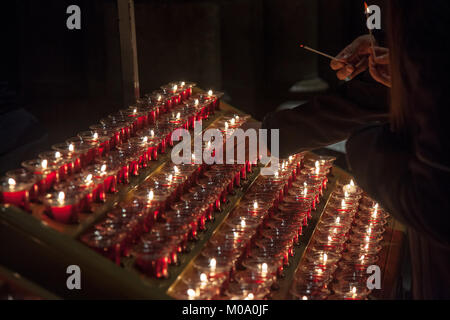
[(408, 177)]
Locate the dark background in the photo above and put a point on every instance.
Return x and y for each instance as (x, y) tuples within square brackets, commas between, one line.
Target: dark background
[(69, 79)]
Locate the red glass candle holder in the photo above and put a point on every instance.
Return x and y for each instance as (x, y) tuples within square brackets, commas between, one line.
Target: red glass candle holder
[(15, 193), (61, 207), (97, 139), (46, 174), (23, 176)]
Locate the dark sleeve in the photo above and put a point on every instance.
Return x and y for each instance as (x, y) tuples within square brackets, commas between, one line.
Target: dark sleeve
[(328, 119), (414, 192)]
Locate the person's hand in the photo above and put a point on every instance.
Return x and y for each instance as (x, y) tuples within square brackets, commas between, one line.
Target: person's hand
[(354, 59), (379, 66)]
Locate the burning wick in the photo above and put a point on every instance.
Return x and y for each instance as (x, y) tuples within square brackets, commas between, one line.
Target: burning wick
[(44, 164), (150, 195), (175, 88), (61, 196), (317, 165), (57, 155), (255, 205), (196, 102), (233, 122), (367, 11), (213, 263), (159, 98), (11, 182), (264, 268), (191, 293), (88, 178), (71, 147), (145, 139), (325, 258), (178, 116), (343, 205), (338, 220), (250, 297), (226, 126), (182, 83), (103, 168), (210, 92), (176, 170), (243, 223), (152, 133)]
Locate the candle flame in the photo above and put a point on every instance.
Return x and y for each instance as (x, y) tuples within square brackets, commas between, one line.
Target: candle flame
[(343, 205), (213, 263), (305, 298), (95, 135), (103, 168), (191, 293), (325, 258), (159, 97), (176, 170), (57, 155), (145, 139), (183, 83), (196, 102), (170, 177), (203, 277), (305, 192), (255, 205), (264, 267), (233, 122), (88, 178), (61, 196), (226, 125), (367, 239), (11, 182), (366, 7), (338, 219), (175, 88), (250, 296), (352, 183), (44, 164), (236, 117), (346, 194), (354, 290), (243, 223), (178, 115), (210, 92), (193, 157), (150, 195), (71, 147), (152, 133), (362, 257)]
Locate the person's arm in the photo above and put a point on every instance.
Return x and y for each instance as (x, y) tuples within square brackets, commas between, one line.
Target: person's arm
[(328, 119), (390, 172)]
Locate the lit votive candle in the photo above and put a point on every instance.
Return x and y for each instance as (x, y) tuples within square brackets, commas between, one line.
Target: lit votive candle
[(61, 207)]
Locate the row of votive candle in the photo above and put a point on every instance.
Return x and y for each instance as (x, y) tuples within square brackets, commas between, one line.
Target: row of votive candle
[(81, 170), (166, 212), (246, 256), (345, 243)]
